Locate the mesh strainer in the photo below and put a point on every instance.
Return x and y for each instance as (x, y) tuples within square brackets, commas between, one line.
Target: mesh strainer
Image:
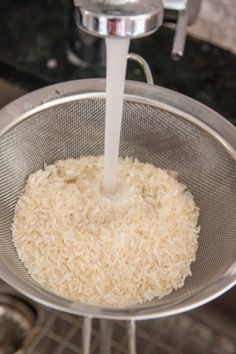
[(161, 127)]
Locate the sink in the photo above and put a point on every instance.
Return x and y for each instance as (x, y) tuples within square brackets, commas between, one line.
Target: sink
[(209, 329)]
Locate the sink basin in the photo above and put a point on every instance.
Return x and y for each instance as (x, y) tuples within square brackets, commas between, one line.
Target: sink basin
[(209, 329)]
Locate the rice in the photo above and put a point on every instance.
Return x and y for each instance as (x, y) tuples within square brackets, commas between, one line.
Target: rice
[(117, 250)]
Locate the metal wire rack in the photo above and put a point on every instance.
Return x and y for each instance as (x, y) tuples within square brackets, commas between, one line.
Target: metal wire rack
[(62, 334)]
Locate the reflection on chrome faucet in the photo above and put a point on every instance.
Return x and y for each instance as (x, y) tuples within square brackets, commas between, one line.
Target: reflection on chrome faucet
[(121, 18)]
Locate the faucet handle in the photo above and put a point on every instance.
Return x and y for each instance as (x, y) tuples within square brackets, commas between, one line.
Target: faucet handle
[(184, 13), (119, 18)]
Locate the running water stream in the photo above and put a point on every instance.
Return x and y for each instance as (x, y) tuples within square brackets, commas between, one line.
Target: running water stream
[(117, 51)]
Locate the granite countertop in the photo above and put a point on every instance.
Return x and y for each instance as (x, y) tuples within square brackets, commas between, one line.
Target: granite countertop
[(34, 37)]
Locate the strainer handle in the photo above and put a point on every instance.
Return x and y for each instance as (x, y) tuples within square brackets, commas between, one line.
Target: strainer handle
[(86, 335), (106, 328), (132, 337), (143, 63)]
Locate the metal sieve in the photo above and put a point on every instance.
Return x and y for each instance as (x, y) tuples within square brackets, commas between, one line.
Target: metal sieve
[(161, 127)]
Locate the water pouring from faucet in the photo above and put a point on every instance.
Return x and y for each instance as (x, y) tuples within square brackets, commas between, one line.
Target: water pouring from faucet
[(117, 21)]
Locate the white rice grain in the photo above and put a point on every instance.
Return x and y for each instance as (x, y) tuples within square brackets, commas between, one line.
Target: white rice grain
[(121, 250)]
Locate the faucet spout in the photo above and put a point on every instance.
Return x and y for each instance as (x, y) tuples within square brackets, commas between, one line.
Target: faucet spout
[(119, 18)]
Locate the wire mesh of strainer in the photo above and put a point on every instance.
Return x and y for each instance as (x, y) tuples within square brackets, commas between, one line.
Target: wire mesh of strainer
[(162, 127)]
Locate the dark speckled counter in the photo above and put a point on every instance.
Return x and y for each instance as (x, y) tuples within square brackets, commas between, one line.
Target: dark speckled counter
[(34, 32)]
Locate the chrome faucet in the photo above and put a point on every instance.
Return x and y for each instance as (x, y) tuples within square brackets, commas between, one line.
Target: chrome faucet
[(119, 18), (136, 18)]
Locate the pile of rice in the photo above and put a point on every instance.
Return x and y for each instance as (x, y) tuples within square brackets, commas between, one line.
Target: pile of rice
[(118, 250)]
